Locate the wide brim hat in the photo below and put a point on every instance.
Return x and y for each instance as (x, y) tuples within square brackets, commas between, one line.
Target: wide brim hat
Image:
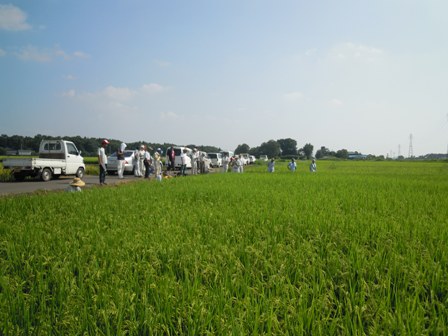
[(77, 182)]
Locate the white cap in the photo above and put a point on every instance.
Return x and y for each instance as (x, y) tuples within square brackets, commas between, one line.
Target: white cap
[(123, 146)]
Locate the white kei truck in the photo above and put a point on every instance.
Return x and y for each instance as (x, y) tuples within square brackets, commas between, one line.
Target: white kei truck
[(56, 158)]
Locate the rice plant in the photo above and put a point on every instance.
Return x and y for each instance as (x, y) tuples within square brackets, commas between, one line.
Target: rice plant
[(359, 248)]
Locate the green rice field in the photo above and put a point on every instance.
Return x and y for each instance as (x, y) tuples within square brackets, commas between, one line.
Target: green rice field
[(358, 248)]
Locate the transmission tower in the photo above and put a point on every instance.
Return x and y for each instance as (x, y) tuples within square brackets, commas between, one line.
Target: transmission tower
[(411, 150), (399, 151)]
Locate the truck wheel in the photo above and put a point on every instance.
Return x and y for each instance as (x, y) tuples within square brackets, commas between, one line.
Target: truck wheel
[(46, 175), (80, 172)]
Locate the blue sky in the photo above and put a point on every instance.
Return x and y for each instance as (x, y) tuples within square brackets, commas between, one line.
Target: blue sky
[(354, 74)]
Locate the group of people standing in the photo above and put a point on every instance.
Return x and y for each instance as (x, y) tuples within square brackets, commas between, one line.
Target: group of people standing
[(292, 166), (145, 164)]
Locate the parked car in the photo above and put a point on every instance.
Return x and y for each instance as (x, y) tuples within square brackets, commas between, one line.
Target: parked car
[(128, 164), (252, 159), (216, 159), (263, 158)]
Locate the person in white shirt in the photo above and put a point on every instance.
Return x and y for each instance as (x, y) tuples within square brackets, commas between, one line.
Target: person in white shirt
[(141, 160), (194, 161), (102, 161), (120, 160), (240, 161), (292, 166), (136, 162), (147, 162), (158, 163), (183, 160), (313, 167), (225, 163)]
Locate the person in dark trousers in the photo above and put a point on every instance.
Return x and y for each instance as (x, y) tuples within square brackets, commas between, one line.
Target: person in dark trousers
[(171, 154), (147, 162), (183, 158), (102, 161)]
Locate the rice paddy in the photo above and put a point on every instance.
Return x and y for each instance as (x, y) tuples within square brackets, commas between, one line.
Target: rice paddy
[(359, 248)]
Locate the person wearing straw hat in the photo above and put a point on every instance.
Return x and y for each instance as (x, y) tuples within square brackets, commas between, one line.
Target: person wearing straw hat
[(75, 185)]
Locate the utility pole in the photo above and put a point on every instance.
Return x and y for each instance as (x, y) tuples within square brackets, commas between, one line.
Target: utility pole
[(411, 150)]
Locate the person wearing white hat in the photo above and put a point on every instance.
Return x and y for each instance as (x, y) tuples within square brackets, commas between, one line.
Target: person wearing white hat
[(75, 185), (102, 161), (141, 158), (120, 160), (225, 162), (158, 163), (136, 163), (194, 161)]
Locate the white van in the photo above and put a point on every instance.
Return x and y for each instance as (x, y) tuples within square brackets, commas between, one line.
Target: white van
[(229, 154), (177, 161), (216, 159)]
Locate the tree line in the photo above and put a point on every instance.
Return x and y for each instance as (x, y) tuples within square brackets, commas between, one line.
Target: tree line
[(281, 148)]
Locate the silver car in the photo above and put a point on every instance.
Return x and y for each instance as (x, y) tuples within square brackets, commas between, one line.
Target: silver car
[(128, 165)]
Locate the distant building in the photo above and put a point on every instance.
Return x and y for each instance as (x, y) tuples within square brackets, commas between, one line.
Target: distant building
[(24, 152), (356, 156)]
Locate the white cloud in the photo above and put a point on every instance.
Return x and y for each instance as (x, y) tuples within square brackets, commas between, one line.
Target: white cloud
[(70, 77), (120, 94), (153, 88), (335, 102), (311, 52), (80, 54), (169, 116), (358, 52), (13, 18), (69, 93), (293, 97), (2, 52), (162, 64), (32, 53)]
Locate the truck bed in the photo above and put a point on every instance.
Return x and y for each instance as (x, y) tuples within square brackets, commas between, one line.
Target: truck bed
[(31, 163)]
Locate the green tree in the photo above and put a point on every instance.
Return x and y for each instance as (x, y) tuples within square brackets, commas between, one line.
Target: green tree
[(342, 154), (288, 146), (308, 150), (322, 152), (270, 148), (244, 148)]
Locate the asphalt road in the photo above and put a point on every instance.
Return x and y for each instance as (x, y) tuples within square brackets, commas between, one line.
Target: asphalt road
[(23, 187)]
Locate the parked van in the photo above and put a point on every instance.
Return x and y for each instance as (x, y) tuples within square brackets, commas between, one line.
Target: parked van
[(229, 154), (177, 160), (216, 159)]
